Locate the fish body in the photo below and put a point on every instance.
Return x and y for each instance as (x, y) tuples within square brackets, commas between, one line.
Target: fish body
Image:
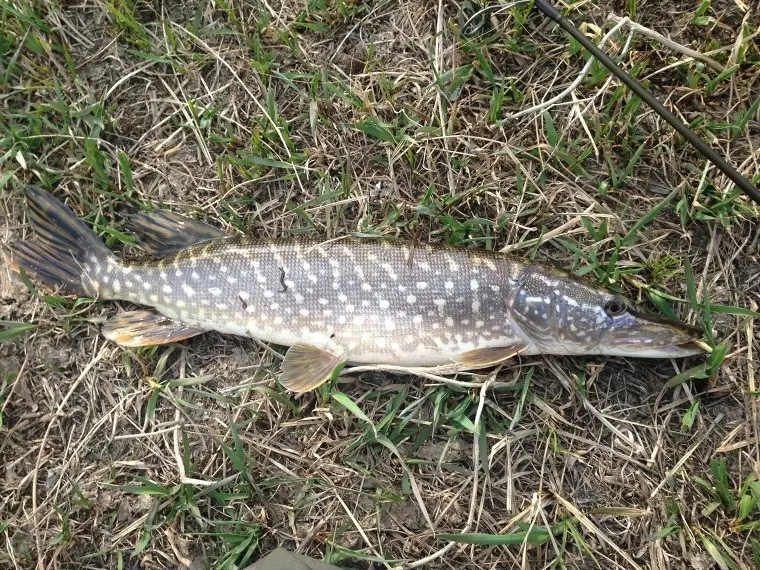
[(370, 301), (362, 301)]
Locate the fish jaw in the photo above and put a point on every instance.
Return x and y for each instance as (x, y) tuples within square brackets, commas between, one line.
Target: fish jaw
[(667, 351), (641, 336)]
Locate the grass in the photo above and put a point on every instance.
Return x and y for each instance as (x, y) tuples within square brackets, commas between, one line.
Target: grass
[(335, 117)]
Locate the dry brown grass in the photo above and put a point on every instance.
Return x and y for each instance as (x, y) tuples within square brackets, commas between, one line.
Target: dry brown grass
[(191, 456)]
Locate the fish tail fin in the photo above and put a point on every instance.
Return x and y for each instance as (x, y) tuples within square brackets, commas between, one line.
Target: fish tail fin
[(67, 253)]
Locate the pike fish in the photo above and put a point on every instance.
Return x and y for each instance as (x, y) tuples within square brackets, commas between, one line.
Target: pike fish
[(354, 300)]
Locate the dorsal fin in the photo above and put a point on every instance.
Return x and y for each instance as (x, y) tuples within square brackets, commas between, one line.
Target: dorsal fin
[(163, 233)]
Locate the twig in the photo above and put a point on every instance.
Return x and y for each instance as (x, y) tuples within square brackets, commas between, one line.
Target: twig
[(549, 235), (667, 42), (685, 458), (751, 385), (572, 86), (591, 527), (619, 23), (441, 100), (357, 525)]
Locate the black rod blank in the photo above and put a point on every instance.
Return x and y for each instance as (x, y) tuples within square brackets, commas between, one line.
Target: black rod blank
[(745, 185)]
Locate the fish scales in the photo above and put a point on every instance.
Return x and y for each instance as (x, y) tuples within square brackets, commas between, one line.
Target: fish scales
[(370, 301), (374, 301)]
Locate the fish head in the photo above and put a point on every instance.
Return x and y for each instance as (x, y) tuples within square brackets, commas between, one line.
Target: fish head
[(565, 315)]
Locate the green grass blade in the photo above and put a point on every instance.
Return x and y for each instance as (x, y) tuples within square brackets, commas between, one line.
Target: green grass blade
[(698, 372), (535, 536), (647, 219), (12, 329)]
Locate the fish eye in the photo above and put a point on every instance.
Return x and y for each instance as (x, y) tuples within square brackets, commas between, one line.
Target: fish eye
[(615, 307)]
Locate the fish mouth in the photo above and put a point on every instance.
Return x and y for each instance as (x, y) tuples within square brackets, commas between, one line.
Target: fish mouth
[(688, 348), (657, 350), (656, 337)]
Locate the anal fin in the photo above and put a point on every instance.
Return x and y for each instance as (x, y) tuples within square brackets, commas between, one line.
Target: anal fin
[(163, 233), (305, 367), (146, 328), (484, 357)]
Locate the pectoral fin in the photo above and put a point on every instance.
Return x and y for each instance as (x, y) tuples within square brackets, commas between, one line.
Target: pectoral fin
[(305, 367), (146, 328), (163, 233), (483, 357)]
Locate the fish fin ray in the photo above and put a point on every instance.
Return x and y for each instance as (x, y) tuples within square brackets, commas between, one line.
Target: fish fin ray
[(146, 328), (162, 233), (484, 357), (306, 367), (64, 246)]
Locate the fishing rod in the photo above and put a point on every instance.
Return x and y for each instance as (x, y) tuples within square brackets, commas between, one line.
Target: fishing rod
[(550, 11)]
